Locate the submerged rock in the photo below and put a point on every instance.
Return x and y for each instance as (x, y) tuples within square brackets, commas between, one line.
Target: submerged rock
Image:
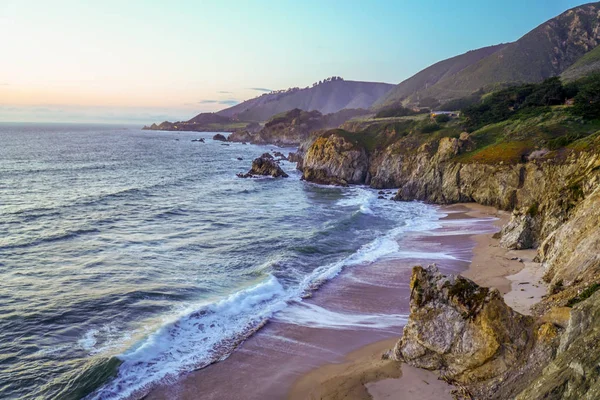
[(264, 166), (280, 155), (220, 137), (464, 330)]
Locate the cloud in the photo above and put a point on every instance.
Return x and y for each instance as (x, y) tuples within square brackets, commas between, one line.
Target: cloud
[(229, 102), (224, 92), (4, 84), (259, 89), (208, 101)]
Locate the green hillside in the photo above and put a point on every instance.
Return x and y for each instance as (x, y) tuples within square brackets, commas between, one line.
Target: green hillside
[(433, 74), (588, 64), (546, 51)]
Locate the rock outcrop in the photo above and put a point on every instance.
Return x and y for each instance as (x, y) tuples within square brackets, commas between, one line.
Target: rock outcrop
[(574, 374), (240, 136), (544, 191), (465, 331), (264, 166), (336, 160), (220, 137)]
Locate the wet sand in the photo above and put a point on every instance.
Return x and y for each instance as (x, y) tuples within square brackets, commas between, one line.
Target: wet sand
[(330, 346), (512, 272)]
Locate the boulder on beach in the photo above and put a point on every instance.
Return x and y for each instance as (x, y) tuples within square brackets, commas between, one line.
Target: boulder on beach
[(220, 137), (264, 166), (464, 330)]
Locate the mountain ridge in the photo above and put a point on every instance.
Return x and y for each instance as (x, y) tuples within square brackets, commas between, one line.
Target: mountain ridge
[(326, 97), (546, 51)]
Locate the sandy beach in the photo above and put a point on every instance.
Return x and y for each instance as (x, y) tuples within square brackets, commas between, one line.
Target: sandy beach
[(511, 271), (330, 346)]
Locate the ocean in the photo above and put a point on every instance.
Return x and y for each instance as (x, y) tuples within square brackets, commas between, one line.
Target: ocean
[(129, 257)]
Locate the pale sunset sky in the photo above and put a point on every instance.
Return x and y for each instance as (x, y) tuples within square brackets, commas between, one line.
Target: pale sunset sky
[(149, 61)]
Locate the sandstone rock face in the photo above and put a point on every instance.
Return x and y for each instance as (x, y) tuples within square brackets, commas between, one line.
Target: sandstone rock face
[(434, 173), (240, 137), (464, 330), (519, 233), (575, 373), (264, 166), (572, 252), (220, 137), (294, 157), (335, 160)]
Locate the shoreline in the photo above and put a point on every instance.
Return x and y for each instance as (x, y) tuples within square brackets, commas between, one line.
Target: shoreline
[(364, 306), (365, 375)]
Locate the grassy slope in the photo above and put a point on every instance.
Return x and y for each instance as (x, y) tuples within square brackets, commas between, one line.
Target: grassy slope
[(586, 65), (433, 74), (553, 129)]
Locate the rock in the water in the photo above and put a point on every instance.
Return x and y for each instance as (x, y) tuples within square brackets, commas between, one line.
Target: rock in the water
[(460, 328), (336, 160), (267, 155), (240, 136), (280, 155), (264, 166), (220, 137)]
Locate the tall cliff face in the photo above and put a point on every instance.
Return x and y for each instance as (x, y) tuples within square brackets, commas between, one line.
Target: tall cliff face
[(542, 191), (467, 332)]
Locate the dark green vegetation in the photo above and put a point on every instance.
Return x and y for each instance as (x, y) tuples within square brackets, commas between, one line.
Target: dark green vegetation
[(558, 46), (588, 64), (584, 295), (400, 134), (512, 125), (394, 111), (532, 100)]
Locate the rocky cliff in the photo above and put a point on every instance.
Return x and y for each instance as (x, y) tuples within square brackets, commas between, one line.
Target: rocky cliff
[(465, 331)]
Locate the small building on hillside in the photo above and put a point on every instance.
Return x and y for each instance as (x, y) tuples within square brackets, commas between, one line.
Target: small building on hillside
[(451, 114)]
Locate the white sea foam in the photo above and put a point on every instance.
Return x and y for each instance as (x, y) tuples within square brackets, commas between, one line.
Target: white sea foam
[(209, 332), (358, 197), (314, 316)]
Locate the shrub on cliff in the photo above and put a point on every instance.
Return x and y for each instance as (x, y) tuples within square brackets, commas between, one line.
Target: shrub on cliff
[(395, 111), (587, 100)]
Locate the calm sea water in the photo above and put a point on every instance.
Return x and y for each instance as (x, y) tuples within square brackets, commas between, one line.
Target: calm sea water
[(127, 257)]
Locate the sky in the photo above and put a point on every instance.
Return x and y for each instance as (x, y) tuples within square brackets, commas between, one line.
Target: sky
[(149, 61)]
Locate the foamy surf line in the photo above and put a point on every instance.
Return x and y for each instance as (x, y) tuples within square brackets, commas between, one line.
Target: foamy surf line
[(211, 333)]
